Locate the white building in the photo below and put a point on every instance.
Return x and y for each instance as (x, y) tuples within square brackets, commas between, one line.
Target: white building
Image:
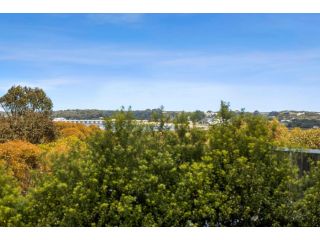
[(98, 123)]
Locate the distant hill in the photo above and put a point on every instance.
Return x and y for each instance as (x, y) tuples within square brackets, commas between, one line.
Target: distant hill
[(96, 114)]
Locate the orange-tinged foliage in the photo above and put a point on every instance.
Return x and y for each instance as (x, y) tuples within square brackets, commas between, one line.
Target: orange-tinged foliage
[(68, 132), (280, 133), (80, 131), (305, 138), (20, 157), (297, 137)]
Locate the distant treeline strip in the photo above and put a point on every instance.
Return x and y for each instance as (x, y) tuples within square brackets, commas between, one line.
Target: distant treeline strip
[(96, 114), (310, 120)]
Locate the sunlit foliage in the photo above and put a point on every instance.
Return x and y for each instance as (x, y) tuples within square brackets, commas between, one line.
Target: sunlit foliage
[(21, 158), (297, 137), (11, 201), (131, 175), (65, 129)]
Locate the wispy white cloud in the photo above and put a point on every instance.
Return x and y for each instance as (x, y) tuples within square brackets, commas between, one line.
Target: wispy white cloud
[(115, 55), (46, 84), (115, 18), (250, 58), (169, 57), (88, 55), (250, 68)]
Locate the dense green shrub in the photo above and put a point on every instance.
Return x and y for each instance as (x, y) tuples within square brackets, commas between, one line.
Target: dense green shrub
[(11, 201), (134, 175), (307, 207)]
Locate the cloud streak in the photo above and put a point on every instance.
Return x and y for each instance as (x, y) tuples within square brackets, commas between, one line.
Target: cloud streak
[(46, 84), (119, 55), (116, 62), (117, 18)]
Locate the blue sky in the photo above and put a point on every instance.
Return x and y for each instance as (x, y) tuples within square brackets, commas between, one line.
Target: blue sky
[(259, 62)]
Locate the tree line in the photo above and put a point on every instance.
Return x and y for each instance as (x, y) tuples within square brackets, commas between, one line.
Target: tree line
[(147, 114)]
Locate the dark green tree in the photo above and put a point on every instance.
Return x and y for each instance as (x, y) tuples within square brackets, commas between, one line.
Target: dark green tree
[(307, 207), (28, 115), (225, 114), (160, 117), (197, 116)]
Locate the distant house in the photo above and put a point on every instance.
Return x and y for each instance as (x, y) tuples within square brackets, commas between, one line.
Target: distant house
[(285, 120)]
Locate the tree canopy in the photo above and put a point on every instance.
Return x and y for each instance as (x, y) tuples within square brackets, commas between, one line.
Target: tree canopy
[(28, 115), (20, 100)]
